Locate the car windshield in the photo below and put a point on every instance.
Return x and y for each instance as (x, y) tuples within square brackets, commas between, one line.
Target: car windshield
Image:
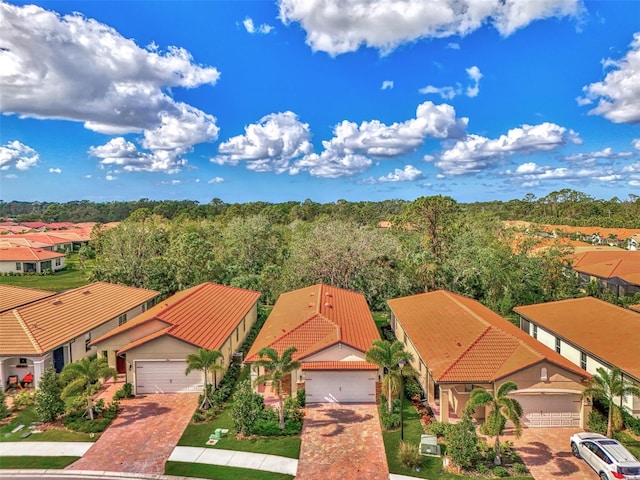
[(629, 470)]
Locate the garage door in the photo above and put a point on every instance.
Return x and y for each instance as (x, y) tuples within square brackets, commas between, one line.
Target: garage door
[(166, 377), (550, 410), (341, 387)]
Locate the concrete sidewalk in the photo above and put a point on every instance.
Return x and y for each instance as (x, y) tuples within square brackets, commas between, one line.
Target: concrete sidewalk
[(232, 458), (44, 449)]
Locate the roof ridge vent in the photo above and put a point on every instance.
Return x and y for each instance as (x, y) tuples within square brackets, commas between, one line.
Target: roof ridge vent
[(56, 302), (86, 292), (328, 305)]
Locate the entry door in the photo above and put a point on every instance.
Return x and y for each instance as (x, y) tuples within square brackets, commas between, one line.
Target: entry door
[(58, 359)]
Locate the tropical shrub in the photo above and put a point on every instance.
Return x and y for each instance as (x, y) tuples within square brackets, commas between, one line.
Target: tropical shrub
[(500, 471), (4, 410), (439, 429), (411, 387), (520, 469), (25, 398), (597, 422), (247, 408), (462, 443), (48, 403)]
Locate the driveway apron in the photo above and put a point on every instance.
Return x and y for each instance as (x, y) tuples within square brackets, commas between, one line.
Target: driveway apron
[(547, 453), (342, 442), (142, 437)]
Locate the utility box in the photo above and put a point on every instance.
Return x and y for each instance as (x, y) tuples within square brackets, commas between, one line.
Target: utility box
[(429, 445)]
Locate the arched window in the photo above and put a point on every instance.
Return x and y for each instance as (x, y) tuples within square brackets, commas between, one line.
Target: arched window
[(543, 374)]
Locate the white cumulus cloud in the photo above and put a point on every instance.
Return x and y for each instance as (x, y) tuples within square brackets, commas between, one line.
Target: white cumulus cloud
[(408, 174), (251, 28), (618, 95), (636, 143), (349, 151), (449, 92), (17, 155), (476, 153), (55, 170), (339, 26), (74, 68), (387, 84), (269, 145), (216, 180)]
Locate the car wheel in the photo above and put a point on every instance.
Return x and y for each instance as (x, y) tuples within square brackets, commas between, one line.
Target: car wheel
[(603, 476), (574, 450)]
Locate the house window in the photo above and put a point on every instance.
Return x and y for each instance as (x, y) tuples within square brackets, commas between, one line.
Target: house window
[(543, 374), (18, 266), (87, 341), (558, 345), (405, 337), (244, 324), (583, 360), (237, 334), (535, 332), (122, 319), (57, 262)]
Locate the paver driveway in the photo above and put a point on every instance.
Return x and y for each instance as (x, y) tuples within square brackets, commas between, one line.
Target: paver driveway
[(143, 435), (547, 454), (342, 442)]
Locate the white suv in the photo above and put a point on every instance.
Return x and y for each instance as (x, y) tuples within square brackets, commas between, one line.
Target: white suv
[(606, 456)]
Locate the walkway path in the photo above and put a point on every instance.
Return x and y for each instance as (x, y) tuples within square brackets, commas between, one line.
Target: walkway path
[(143, 435), (44, 449), (231, 458), (342, 442)]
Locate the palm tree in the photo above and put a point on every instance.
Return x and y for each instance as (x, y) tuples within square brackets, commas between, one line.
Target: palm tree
[(503, 408), (82, 377), (207, 361), (387, 355), (276, 367), (607, 387)]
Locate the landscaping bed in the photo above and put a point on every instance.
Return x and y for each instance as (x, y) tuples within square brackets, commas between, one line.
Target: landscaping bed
[(39, 432)]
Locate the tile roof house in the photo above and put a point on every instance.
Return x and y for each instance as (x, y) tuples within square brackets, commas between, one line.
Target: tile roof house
[(13, 297), (590, 333), (152, 347), (459, 344), (58, 329), (19, 260), (331, 328), (618, 271)]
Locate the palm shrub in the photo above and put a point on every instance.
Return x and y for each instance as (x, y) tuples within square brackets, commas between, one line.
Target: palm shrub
[(48, 401), (386, 355), (82, 378), (606, 387), (207, 361), (503, 408)]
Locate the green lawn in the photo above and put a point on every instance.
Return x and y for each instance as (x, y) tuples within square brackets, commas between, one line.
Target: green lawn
[(196, 435), (70, 277), (39, 463), (220, 473), (26, 417), (632, 443), (431, 466), (380, 318)]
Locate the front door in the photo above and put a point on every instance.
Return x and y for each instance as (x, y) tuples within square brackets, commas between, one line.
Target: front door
[(121, 364), (58, 359)]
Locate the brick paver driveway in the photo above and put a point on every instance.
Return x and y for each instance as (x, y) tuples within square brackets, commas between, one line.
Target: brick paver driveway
[(547, 454), (342, 442), (143, 435)]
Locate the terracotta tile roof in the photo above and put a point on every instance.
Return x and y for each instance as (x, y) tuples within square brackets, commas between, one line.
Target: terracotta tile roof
[(314, 318), (204, 315), (42, 237), (339, 366), (622, 264), (620, 233), (461, 340), (34, 224), (27, 254), (9, 241), (13, 229), (635, 307), (609, 332), (38, 327), (13, 297)]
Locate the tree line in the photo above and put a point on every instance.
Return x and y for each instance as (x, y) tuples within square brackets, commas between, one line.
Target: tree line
[(433, 243), (566, 206)]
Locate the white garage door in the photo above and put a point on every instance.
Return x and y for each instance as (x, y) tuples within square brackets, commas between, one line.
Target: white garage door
[(153, 376), (341, 387), (550, 410)]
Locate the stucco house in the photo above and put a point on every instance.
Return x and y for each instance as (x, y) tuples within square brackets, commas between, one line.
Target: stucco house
[(617, 271), (151, 349), (459, 344), (331, 328), (19, 260), (58, 329), (591, 333)]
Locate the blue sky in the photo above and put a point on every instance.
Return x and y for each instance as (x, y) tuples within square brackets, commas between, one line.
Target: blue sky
[(321, 99)]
